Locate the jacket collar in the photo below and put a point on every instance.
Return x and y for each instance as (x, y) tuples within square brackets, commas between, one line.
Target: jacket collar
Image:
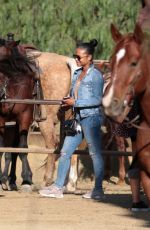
[(91, 67)]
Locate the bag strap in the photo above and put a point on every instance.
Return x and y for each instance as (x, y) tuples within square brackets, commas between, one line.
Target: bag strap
[(76, 111)]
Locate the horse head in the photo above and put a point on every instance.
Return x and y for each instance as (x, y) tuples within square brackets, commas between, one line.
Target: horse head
[(7, 46), (14, 59), (126, 76)]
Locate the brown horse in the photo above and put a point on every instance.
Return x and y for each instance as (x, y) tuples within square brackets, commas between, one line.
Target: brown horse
[(16, 81), (131, 75)]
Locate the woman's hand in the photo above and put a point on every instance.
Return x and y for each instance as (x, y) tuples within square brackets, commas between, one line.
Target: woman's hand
[(68, 101)]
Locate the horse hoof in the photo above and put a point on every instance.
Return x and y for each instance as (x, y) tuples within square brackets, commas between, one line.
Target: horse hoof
[(1, 188), (120, 182), (1, 191), (70, 188), (5, 187), (105, 182), (26, 188), (13, 187)]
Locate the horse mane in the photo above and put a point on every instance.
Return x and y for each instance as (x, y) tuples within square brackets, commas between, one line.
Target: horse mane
[(17, 64), (29, 46), (146, 43)]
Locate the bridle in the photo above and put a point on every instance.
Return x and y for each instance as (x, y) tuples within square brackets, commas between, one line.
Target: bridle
[(3, 89)]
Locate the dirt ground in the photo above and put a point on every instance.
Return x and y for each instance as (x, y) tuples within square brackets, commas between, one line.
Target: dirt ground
[(25, 211)]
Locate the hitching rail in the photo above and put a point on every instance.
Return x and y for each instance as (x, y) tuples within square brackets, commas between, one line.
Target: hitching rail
[(32, 101), (46, 151)]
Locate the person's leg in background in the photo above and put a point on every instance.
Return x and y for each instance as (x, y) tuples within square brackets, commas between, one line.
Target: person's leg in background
[(135, 183)]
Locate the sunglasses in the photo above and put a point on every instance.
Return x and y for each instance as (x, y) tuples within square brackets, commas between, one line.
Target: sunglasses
[(75, 56)]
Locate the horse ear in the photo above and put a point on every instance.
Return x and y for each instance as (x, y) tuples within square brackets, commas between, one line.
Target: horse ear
[(2, 41), (138, 34), (116, 35), (17, 42)]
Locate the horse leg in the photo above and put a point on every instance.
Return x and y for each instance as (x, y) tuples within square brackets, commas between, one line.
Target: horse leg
[(143, 146), (5, 171), (48, 132), (121, 170), (11, 140), (144, 160), (12, 175), (26, 170), (11, 179), (1, 171), (121, 147), (130, 148), (1, 145), (71, 183), (107, 172), (49, 169), (145, 178)]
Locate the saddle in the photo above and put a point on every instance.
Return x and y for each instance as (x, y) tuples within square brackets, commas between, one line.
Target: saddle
[(39, 112)]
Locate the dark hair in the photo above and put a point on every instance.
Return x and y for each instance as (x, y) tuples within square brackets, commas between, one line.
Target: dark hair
[(89, 46)]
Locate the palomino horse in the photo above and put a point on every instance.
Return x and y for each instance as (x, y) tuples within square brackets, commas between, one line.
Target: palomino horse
[(16, 81), (131, 75), (55, 80)]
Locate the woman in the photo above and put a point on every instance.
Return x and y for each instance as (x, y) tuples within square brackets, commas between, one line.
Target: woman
[(85, 98)]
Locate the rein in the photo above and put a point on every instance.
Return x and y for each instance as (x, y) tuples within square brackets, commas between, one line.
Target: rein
[(4, 94), (126, 123), (143, 147), (3, 90), (130, 123)]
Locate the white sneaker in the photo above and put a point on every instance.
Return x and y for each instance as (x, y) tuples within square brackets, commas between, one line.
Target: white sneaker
[(53, 192), (46, 187), (95, 195), (51, 186)]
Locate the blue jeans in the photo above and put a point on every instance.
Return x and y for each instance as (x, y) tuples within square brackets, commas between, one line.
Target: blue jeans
[(92, 134)]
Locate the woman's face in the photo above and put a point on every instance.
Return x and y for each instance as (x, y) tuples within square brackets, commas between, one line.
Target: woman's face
[(82, 57)]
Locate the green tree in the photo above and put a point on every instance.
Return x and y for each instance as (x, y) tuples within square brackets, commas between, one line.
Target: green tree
[(56, 25)]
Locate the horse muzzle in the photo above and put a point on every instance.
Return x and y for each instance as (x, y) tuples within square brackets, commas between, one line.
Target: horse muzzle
[(115, 108)]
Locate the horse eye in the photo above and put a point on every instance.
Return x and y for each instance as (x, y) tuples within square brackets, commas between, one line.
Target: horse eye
[(133, 63)]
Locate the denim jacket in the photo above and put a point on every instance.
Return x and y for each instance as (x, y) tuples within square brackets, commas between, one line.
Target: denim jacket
[(90, 92)]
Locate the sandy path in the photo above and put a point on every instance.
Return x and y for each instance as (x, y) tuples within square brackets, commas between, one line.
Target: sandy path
[(21, 211), (29, 211)]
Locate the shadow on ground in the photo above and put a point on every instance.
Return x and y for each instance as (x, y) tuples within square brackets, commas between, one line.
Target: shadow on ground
[(124, 201)]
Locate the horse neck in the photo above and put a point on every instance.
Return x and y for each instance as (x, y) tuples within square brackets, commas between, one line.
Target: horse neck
[(20, 87), (143, 89), (143, 73), (145, 108)]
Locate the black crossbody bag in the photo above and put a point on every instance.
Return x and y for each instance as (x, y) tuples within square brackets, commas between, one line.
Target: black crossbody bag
[(72, 126)]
